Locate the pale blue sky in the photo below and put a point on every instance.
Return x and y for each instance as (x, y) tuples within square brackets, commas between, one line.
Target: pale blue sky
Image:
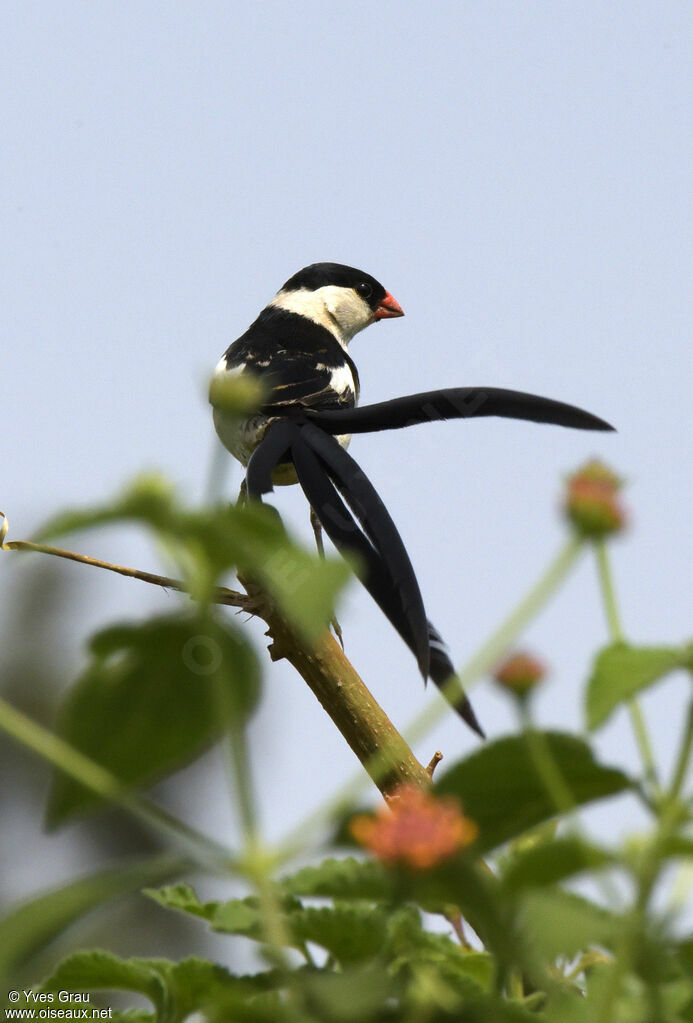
[(518, 175)]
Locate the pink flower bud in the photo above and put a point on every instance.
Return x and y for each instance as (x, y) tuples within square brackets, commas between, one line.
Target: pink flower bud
[(592, 501)]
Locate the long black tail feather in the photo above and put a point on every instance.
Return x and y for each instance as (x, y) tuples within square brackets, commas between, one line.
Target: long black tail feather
[(272, 449), (346, 535), (454, 403), (367, 505)]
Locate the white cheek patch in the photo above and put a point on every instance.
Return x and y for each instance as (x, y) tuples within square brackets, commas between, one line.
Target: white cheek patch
[(339, 310), (306, 303), (347, 309)]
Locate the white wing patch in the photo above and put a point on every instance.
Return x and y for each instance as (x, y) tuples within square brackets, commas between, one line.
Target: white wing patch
[(223, 367), (342, 379)]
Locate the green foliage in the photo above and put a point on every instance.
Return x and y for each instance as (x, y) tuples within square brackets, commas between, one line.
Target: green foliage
[(546, 863), (351, 939), (341, 879), (153, 697), (501, 788), (26, 929), (621, 671), (206, 543)]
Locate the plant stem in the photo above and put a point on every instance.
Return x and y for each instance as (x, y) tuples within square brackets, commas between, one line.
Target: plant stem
[(683, 759), (545, 764), (204, 850), (221, 595), (606, 583), (637, 720), (488, 654)]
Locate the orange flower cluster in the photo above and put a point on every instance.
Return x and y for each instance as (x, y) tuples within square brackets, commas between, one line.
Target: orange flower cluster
[(520, 673), (416, 829), (592, 500)]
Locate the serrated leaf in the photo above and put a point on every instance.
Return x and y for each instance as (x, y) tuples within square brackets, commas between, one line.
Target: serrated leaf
[(183, 898), (101, 971), (152, 699), (347, 878), (194, 985), (239, 916), (621, 671), (550, 862), (351, 933), (499, 787), (235, 916), (176, 989), (31, 925)]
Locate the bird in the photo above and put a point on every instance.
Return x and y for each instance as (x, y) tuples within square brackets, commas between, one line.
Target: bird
[(298, 347)]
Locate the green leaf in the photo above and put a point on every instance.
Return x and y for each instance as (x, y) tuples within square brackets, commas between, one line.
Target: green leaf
[(154, 697), (196, 985), (500, 789), (409, 947), (561, 923), (548, 863), (183, 898), (470, 888), (208, 542), (621, 671), (354, 995), (341, 879), (239, 916), (99, 970), (351, 933), (236, 916), (176, 989), (31, 925)]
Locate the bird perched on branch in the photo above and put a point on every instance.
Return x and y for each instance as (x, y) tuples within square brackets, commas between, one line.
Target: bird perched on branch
[(298, 346)]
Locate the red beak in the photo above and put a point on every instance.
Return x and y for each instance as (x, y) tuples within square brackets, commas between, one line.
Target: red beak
[(388, 308)]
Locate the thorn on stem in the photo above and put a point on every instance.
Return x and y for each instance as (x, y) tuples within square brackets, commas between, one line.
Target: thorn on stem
[(458, 926), (435, 760)]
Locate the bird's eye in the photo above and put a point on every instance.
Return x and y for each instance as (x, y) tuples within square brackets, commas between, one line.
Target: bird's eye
[(364, 289)]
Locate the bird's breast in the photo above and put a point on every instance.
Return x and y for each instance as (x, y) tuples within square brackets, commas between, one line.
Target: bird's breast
[(242, 436)]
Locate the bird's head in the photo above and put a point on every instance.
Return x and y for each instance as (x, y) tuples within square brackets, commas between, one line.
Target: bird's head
[(341, 298)]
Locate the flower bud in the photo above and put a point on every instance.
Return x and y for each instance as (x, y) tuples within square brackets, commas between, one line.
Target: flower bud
[(592, 501), (520, 674)]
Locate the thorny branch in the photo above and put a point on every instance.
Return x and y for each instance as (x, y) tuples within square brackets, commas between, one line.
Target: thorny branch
[(327, 671)]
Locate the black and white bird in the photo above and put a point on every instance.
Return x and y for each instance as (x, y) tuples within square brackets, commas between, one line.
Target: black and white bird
[(298, 346)]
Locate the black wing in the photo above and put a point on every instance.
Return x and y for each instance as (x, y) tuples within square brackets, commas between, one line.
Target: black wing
[(302, 364)]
